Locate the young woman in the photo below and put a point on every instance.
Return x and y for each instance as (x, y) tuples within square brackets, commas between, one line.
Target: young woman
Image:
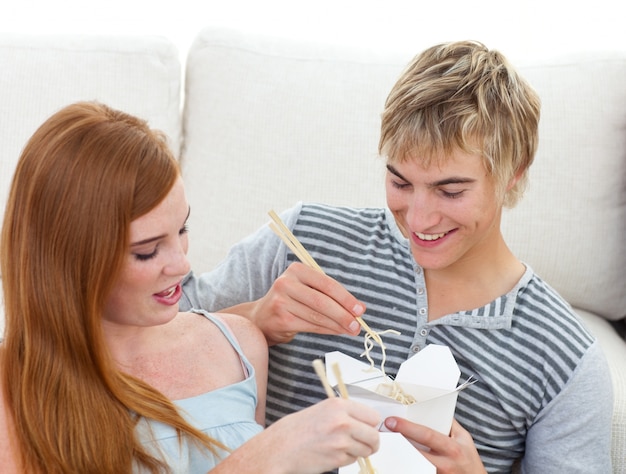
[(100, 371)]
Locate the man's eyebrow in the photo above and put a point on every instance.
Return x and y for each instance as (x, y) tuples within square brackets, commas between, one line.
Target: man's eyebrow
[(452, 180), (434, 184), (157, 237), (395, 172)]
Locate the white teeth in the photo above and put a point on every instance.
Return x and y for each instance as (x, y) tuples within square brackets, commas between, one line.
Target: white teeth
[(171, 292), (430, 236)]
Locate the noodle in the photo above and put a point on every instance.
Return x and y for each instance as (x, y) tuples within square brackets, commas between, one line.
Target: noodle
[(369, 345), (392, 389)]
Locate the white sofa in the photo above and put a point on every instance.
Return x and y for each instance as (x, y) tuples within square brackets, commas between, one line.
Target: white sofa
[(263, 122)]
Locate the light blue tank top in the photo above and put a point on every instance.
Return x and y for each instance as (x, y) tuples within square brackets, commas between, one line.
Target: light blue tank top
[(225, 414)]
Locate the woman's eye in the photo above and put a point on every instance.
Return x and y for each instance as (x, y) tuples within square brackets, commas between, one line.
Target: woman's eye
[(146, 256), (184, 230)]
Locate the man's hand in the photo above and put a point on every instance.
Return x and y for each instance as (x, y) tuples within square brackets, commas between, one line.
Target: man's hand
[(303, 300), (454, 454)]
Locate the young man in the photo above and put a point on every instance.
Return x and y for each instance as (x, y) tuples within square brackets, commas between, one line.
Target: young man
[(459, 133)]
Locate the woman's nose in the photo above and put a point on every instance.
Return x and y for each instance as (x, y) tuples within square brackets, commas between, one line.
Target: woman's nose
[(178, 263)]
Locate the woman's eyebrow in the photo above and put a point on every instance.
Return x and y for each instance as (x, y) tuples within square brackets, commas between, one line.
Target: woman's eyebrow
[(158, 237), (147, 241)]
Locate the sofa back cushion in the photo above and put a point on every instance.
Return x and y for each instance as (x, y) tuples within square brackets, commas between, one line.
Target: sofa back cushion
[(41, 74), (270, 121), (571, 225)]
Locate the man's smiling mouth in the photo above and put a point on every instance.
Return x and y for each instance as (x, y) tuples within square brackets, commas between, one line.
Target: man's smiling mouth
[(430, 237)]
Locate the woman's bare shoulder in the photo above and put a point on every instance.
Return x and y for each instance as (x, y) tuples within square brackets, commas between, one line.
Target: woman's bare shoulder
[(248, 335), (251, 340), (246, 332)]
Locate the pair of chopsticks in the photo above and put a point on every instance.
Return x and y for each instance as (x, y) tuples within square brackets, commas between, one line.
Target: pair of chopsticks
[(299, 251), (365, 465)]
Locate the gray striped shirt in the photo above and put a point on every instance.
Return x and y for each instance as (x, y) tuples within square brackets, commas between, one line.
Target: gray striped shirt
[(535, 363)]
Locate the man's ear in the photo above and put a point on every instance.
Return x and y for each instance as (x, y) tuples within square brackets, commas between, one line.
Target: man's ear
[(513, 181)]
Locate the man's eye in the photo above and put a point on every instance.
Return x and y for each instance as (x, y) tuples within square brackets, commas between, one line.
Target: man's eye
[(399, 185), (452, 195)]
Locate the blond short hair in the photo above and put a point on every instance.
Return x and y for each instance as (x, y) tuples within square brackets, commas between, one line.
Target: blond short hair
[(464, 96)]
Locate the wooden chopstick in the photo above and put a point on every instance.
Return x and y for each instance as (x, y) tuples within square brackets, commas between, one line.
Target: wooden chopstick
[(299, 251), (292, 242), (365, 464), (318, 365)]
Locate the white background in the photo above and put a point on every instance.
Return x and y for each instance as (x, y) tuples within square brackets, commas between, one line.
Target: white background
[(518, 28)]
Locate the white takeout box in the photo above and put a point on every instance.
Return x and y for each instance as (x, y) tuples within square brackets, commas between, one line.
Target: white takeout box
[(430, 376)]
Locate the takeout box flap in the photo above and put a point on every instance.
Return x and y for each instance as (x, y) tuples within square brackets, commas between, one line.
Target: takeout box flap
[(433, 366), (352, 370)]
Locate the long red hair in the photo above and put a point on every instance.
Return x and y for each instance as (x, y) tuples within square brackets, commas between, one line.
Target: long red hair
[(84, 175)]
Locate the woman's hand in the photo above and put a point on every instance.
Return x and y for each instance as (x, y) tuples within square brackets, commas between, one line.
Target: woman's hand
[(303, 300), (327, 435), (454, 454), (330, 434)]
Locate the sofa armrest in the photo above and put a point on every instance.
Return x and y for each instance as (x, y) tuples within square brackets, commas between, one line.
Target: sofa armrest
[(614, 348)]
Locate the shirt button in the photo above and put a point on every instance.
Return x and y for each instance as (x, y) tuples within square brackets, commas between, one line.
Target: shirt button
[(424, 332), (422, 311), (415, 349), (420, 291)]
